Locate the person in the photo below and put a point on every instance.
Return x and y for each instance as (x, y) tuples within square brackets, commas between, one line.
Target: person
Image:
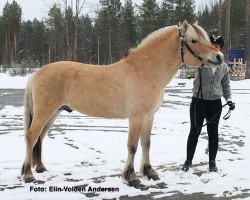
[(215, 84)]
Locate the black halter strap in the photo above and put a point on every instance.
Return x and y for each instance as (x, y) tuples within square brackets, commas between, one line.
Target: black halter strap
[(191, 51)]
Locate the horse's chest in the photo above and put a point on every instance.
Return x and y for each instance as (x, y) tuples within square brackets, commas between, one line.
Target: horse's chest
[(155, 102), (159, 101)]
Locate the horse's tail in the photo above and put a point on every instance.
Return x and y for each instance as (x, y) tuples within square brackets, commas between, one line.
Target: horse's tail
[(28, 105), (28, 110)]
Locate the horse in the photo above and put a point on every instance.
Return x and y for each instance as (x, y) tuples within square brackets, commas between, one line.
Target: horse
[(132, 88)]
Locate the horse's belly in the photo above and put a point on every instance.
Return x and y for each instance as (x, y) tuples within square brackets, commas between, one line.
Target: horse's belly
[(106, 108)]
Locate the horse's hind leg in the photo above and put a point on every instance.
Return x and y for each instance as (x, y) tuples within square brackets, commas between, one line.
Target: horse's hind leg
[(37, 150), (135, 127), (37, 125), (146, 168)]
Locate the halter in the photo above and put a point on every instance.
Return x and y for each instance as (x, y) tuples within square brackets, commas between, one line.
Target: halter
[(191, 51)]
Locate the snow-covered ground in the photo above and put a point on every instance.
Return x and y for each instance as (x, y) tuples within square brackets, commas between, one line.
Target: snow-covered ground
[(90, 152)]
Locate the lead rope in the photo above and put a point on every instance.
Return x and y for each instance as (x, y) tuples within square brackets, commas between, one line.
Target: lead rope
[(227, 115)]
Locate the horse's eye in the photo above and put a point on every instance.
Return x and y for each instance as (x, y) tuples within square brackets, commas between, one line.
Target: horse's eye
[(194, 41)]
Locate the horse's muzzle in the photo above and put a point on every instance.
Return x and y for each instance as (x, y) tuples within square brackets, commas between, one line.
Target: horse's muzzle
[(215, 59)]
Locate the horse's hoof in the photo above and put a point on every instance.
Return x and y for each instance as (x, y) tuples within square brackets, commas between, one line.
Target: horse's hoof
[(154, 177), (150, 173), (134, 183), (29, 178), (41, 169)]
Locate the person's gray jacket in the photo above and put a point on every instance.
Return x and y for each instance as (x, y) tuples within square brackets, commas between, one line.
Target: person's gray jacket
[(214, 85)]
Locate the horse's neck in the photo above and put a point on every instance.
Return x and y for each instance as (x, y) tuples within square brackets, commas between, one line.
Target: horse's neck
[(158, 61)]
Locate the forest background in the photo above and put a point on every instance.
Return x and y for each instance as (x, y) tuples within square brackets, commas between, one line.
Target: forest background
[(71, 34)]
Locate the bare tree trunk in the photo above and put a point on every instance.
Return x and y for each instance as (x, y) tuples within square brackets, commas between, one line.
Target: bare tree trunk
[(6, 52), (67, 33), (15, 47), (49, 53), (10, 51), (78, 11), (227, 28), (76, 30), (219, 17), (110, 47), (98, 50), (248, 38)]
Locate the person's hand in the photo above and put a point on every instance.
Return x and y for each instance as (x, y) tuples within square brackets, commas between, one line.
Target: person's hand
[(231, 105)]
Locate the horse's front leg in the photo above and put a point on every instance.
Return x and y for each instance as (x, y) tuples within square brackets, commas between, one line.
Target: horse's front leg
[(146, 168), (135, 128)]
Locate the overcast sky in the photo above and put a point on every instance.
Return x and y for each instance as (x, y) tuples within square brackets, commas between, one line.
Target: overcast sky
[(38, 8)]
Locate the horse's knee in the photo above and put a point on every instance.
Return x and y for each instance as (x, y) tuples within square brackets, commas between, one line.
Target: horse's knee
[(132, 149), (145, 144)]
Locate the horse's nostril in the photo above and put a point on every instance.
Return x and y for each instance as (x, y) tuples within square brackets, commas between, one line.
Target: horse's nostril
[(219, 59)]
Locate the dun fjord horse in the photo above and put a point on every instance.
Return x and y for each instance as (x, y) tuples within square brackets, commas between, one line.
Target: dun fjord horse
[(132, 88)]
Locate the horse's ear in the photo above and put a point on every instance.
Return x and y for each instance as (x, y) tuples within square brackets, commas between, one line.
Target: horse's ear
[(183, 27), (196, 23)]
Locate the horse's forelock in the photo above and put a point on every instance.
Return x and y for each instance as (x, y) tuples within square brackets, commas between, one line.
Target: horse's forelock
[(200, 34)]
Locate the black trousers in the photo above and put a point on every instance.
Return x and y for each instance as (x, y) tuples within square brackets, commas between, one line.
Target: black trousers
[(211, 110)]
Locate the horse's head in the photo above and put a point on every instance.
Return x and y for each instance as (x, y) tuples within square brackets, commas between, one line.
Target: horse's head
[(196, 48)]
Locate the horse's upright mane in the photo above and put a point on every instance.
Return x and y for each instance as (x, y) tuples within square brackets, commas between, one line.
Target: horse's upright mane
[(201, 33), (151, 37)]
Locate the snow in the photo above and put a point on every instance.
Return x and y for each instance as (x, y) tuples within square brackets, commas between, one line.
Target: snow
[(12, 82), (91, 152)]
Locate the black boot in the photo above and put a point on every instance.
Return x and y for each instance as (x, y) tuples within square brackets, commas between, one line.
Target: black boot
[(187, 165), (212, 166)]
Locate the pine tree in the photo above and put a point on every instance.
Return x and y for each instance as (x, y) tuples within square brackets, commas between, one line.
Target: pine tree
[(184, 10), (70, 32), (86, 41), (11, 22), (1, 39), (248, 37), (128, 30), (107, 26), (57, 34), (209, 15), (40, 42), (238, 24), (148, 17), (26, 40), (167, 17)]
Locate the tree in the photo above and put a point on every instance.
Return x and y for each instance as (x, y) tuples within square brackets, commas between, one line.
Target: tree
[(227, 26), (148, 17), (85, 40), (107, 26), (56, 34), (167, 17), (184, 10), (1, 39), (248, 37), (40, 42), (128, 30), (210, 15), (11, 22), (70, 32), (238, 23), (203, 17)]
